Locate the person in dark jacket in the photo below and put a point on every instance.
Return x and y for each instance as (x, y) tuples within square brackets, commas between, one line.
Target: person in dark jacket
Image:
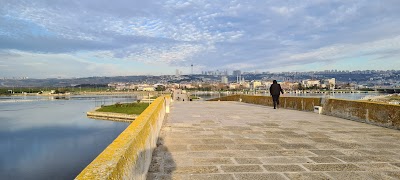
[(275, 91)]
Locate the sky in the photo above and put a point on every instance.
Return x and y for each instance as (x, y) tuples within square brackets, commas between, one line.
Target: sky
[(81, 38)]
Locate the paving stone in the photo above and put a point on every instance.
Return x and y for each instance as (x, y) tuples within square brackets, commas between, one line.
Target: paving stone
[(307, 176), (204, 140), (376, 152), (268, 146), (325, 159), (172, 148), (323, 140), (378, 166), (396, 164), (382, 145), (298, 152), (247, 141), (284, 168), (259, 176), (358, 175), (326, 152), (366, 158), (248, 161), (240, 147), (285, 160), (348, 145), (153, 176), (332, 167), (393, 174), (207, 147), (175, 141), (217, 141), (271, 124), (297, 146), (211, 161), (241, 168), (211, 177), (273, 135), (272, 141), (191, 169)]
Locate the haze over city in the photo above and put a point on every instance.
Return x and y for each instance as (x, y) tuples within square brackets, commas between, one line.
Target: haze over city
[(41, 39)]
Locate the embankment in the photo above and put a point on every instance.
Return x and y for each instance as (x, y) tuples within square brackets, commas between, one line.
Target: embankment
[(111, 116), (129, 155)]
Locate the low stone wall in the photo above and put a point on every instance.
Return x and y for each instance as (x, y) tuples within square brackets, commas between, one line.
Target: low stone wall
[(298, 103), (129, 155), (380, 114), (111, 116)]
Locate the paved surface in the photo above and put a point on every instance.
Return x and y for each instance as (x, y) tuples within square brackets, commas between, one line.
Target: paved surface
[(231, 140)]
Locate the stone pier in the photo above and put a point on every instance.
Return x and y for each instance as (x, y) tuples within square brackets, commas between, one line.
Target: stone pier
[(239, 141)]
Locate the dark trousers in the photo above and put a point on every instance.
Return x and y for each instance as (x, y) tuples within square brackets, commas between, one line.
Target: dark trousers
[(275, 99)]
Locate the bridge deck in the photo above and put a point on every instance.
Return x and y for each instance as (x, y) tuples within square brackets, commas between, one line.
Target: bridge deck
[(231, 140)]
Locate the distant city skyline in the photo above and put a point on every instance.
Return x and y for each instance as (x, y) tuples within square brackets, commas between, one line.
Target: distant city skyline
[(50, 39)]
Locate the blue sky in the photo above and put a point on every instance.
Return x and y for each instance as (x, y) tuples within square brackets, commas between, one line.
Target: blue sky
[(75, 38)]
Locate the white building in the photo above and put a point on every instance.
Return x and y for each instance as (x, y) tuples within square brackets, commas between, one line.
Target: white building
[(224, 79)]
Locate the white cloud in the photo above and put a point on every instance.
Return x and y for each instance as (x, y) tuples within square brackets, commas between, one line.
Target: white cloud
[(214, 35)]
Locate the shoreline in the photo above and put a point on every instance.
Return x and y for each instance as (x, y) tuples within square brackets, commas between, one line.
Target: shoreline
[(82, 93)]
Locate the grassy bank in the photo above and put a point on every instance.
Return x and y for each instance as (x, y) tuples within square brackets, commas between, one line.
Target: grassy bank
[(127, 108)]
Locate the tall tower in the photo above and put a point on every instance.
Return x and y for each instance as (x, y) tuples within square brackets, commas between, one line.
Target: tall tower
[(192, 68)]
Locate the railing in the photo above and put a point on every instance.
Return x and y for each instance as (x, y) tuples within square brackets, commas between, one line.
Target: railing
[(129, 155)]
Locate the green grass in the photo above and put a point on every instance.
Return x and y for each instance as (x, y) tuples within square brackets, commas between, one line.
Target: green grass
[(128, 108), (193, 97), (393, 97)]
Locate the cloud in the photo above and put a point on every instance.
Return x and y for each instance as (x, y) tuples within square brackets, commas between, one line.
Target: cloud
[(224, 34)]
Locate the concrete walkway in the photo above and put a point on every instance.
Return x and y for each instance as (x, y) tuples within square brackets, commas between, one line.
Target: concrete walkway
[(232, 140)]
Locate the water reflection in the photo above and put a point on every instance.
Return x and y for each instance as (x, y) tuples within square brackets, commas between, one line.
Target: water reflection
[(51, 139)]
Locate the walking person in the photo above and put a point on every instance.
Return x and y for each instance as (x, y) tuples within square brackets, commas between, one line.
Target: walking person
[(275, 91)]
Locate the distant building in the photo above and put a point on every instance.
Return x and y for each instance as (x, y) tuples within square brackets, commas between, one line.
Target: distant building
[(254, 84), (311, 83), (224, 79)]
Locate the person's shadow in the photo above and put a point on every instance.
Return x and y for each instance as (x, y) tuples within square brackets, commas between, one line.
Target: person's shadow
[(162, 163)]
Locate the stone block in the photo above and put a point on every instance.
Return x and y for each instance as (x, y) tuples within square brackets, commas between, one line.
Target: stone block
[(297, 146), (358, 175), (217, 141), (207, 147), (242, 168), (326, 152), (307, 176), (248, 161), (268, 146), (325, 159), (332, 167), (284, 168), (211, 161), (285, 160), (211, 177), (191, 170), (260, 176)]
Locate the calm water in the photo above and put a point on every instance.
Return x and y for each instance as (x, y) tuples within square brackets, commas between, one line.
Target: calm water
[(52, 139)]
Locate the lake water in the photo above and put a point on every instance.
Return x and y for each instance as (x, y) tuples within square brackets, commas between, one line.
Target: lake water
[(41, 138)]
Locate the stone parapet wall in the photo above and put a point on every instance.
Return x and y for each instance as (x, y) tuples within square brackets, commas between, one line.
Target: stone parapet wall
[(303, 103), (386, 115), (380, 114), (129, 155)]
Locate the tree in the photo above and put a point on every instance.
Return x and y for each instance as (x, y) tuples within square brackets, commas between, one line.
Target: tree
[(160, 88)]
